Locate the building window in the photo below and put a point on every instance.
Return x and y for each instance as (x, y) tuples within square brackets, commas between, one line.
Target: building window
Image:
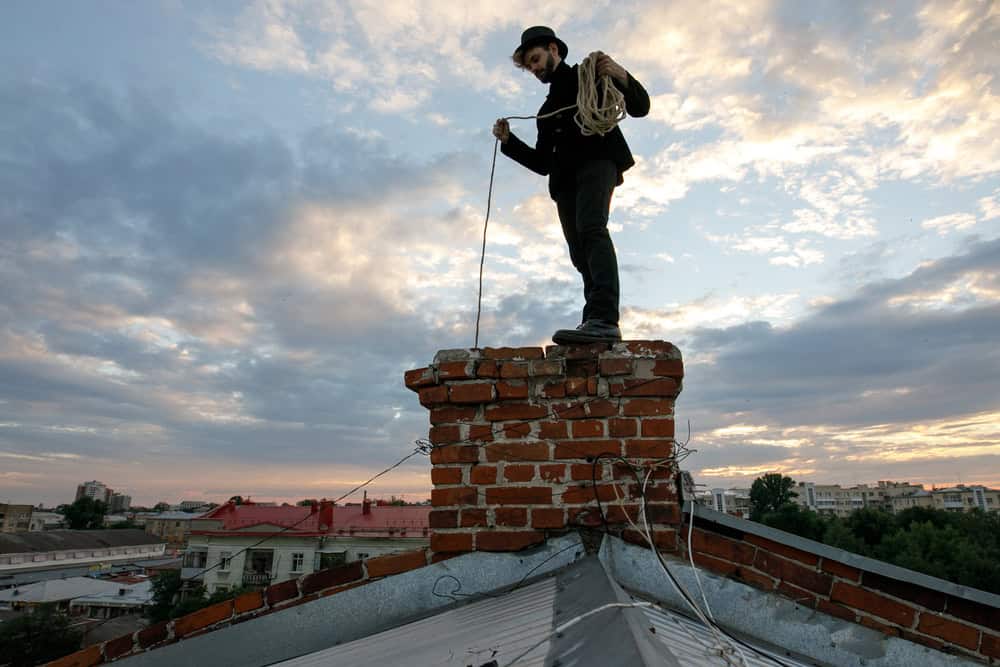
[(224, 559), (297, 561)]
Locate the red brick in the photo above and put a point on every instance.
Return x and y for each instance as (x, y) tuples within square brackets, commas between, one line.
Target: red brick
[(541, 368), (991, 645), (438, 557), (483, 475), (584, 472), (87, 657), (723, 547), (442, 519), (548, 517), (473, 392), (793, 572), (488, 369), (451, 541), (621, 428), (514, 369), (512, 389), (918, 638), (517, 430), (473, 518), (873, 603), (455, 370), (454, 454), (521, 451), (581, 449), (783, 550), (656, 387), (511, 516), (461, 495), (419, 377), (481, 433), (383, 566), (838, 569), (334, 576), (569, 410), (203, 618), (717, 565), (654, 492), (750, 576), (665, 540), (974, 612), (576, 386), (583, 516), (648, 407), (519, 495), (929, 599), (649, 449), (248, 602), (669, 367), (554, 430), (508, 541), (616, 366), (658, 428), (602, 408), (529, 353), (885, 628), (278, 593), (554, 389), (657, 348), (836, 610), (118, 647), (622, 513), (154, 634), (552, 473), (440, 435), (519, 473), (446, 475), (952, 632), (588, 428), (592, 385), (515, 411), (581, 368), (585, 494), (451, 415), (430, 396), (663, 513)]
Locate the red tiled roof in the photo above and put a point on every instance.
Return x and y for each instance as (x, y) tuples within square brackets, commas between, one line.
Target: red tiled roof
[(381, 518)]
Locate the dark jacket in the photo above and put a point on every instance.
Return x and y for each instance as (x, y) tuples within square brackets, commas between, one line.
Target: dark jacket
[(561, 146)]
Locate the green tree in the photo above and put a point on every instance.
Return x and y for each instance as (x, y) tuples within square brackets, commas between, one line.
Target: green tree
[(770, 493), (37, 637), (307, 502), (86, 513), (793, 518), (236, 500)]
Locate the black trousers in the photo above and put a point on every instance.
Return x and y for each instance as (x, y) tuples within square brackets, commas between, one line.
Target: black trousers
[(583, 205)]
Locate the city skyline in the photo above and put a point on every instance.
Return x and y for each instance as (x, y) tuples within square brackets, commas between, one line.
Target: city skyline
[(227, 230)]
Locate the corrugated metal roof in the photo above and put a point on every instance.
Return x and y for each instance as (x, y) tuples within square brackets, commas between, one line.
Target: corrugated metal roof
[(58, 589), (65, 540), (474, 634)]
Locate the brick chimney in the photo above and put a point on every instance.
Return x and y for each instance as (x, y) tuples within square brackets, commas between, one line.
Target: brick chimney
[(517, 431)]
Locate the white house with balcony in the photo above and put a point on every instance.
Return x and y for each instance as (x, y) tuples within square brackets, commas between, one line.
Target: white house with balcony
[(251, 545)]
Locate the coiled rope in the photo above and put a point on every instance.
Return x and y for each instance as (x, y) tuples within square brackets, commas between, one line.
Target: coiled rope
[(592, 118)]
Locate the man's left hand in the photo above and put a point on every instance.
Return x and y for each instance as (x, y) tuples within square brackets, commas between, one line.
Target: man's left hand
[(607, 66)]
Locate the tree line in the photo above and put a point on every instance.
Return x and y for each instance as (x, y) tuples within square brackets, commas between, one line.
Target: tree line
[(963, 547)]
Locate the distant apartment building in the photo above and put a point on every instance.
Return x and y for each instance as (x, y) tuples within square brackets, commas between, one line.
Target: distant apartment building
[(119, 503), (253, 545), (194, 505), (15, 518), (735, 502), (94, 489), (174, 527), (893, 497), (25, 552)]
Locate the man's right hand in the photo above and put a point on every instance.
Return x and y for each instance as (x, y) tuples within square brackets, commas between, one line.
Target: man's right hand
[(501, 130)]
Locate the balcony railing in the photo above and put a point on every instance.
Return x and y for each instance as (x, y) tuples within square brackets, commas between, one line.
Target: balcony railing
[(256, 578)]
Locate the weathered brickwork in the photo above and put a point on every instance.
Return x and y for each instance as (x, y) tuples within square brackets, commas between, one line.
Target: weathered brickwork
[(895, 607), (526, 440)]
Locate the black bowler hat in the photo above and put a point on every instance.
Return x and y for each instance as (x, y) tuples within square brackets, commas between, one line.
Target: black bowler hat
[(539, 35)]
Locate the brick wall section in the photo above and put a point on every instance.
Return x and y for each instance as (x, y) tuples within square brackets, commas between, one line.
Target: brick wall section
[(516, 432), (247, 606), (894, 607)]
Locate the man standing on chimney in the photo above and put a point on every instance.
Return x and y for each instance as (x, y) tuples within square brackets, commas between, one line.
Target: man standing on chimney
[(583, 172)]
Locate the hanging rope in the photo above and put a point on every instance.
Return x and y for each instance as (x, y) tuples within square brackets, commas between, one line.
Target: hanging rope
[(592, 118)]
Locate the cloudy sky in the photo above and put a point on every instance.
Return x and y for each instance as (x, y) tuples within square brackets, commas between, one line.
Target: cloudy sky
[(228, 228)]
